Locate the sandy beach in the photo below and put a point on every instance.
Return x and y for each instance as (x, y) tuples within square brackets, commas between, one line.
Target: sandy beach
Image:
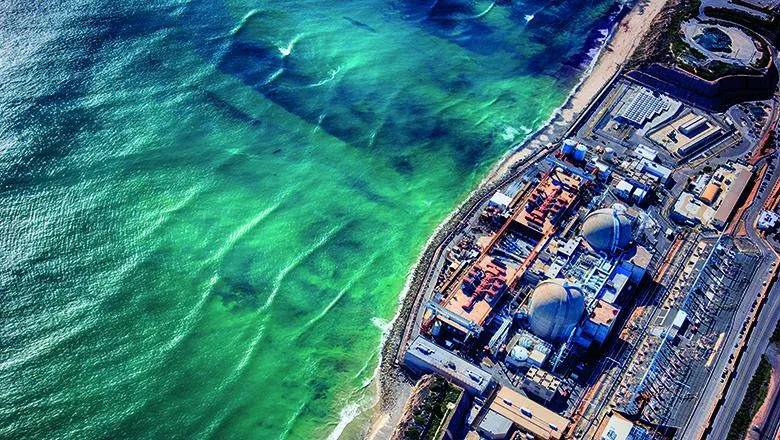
[(393, 387)]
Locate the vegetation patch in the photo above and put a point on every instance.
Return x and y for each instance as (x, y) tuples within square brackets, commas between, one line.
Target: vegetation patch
[(775, 338), (754, 397), (436, 400), (661, 45)]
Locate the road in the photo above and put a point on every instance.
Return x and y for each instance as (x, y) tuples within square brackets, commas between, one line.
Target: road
[(757, 342), (757, 339)]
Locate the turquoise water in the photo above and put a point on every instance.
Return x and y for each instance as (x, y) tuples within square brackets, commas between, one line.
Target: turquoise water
[(714, 39), (208, 208)]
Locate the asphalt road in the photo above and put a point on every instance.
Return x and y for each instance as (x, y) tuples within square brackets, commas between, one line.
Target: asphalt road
[(757, 342), (746, 367)]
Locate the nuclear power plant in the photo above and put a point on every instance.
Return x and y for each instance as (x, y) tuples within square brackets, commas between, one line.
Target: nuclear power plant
[(592, 291), (538, 290)]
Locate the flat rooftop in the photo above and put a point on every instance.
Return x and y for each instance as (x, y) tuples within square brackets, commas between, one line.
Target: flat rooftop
[(676, 142), (543, 378), (644, 106), (719, 198), (692, 209), (604, 313), (444, 362), (739, 179), (474, 307), (620, 428), (529, 415)]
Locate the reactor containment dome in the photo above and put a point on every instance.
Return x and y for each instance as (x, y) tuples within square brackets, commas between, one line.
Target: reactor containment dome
[(555, 309), (607, 230)]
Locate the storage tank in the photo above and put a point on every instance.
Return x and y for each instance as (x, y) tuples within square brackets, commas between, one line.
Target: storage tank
[(608, 154), (579, 152), (568, 146)]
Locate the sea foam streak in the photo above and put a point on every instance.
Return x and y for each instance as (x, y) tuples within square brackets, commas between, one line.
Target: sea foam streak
[(297, 261), (346, 417), (242, 230), (287, 50)]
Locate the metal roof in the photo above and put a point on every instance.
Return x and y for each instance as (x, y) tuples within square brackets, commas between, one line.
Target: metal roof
[(446, 363)]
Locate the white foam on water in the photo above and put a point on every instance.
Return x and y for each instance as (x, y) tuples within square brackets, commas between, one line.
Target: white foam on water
[(486, 11), (300, 258), (347, 415), (510, 133), (382, 324), (331, 77), (287, 50)]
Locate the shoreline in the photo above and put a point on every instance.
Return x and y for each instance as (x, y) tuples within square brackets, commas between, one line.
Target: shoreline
[(393, 387)]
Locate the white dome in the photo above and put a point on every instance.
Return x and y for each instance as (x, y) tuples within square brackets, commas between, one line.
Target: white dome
[(607, 230), (555, 309), (519, 353)]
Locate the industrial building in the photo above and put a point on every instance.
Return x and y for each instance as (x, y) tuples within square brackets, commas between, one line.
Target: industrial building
[(690, 211), (643, 107), (533, 301), (607, 230), (510, 411), (713, 198), (424, 356), (578, 283), (526, 350), (687, 134), (645, 152), (500, 201), (555, 309), (630, 190), (466, 309), (767, 220), (655, 170), (599, 323), (733, 179), (468, 302), (669, 323), (548, 201), (620, 428), (541, 384)]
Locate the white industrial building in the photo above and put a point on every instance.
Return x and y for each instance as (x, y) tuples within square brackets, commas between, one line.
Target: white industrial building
[(424, 356)]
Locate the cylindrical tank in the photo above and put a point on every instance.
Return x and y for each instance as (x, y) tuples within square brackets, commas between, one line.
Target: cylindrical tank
[(579, 152), (568, 146), (608, 154)]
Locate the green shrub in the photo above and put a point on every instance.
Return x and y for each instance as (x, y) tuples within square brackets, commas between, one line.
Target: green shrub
[(754, 398), (775, 338)]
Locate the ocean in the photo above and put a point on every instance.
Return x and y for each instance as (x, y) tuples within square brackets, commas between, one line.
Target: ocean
[(208, 208)]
